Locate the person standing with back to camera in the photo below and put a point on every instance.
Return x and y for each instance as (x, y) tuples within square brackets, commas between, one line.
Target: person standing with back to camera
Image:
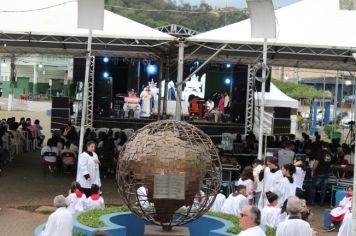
[(88, 169)]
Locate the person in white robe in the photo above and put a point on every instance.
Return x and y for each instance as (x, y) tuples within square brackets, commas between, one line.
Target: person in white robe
[(294, 225), (337, 214), (286, 186), (60, 222), (145, 97), (95, 200), (246, 179), (235, 202), (76, 199), (257, 184), (299, 176), (88, 169), (218, 203), (346, 226), (142, 197), (270, 178), (270, 213), (250, 222)]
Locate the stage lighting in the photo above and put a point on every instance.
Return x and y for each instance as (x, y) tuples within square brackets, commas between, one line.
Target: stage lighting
[(227, 81), (105, 74), (151, 69), (228, 66), (105, 59), (3, 63), (40, 65)]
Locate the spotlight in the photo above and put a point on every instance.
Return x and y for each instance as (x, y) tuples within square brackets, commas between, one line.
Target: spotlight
[(105, 74), (3, 63), (228, 66), (348, 82), (151, 70), (227, 81), (40, 65), (105, 59)]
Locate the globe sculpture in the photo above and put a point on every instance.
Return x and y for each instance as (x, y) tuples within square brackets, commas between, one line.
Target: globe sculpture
[(169, 173)]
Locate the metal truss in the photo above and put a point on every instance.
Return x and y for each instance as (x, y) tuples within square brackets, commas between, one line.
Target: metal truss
[(75, 45), (90, 104), (250, 96), (177, 30), (289, 56)]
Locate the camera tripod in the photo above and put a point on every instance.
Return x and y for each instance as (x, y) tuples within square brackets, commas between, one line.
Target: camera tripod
[(351, 133)]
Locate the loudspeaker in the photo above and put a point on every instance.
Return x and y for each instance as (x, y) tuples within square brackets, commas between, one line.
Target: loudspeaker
[(238, 94), (103, 96), (282, 112), (281, 126), (60, 112)]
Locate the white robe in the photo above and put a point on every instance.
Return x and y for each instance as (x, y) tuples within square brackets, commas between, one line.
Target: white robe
[(234, 204), (75, 204), (94, 204), (256, 172), (218, 203), (59, 223), (87, 165), (343, 208), (249, 187), (146, 103), (294, 227), (142, 197), (254, 231), (284, 189), (270, 180), (270, 216), (346, 227), (299, 177)]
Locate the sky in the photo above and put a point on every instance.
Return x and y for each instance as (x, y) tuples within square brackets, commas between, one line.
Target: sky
[(236, 3)]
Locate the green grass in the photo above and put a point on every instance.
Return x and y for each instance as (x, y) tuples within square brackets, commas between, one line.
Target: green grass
[(236, 229), (92, 218)]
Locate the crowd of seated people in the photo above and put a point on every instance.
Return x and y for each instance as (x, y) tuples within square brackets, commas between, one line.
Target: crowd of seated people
[(62, 148), (17, 137)]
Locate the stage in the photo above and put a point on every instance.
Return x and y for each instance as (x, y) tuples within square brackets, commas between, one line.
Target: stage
[(214, 130)]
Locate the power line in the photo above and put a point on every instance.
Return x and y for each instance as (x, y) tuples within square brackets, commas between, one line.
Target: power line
[(37, 9)]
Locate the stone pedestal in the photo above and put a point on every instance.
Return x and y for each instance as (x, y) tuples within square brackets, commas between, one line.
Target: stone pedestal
[(154, 230)]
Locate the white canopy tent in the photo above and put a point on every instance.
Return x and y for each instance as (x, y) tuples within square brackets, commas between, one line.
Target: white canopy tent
[(50, 26), (310, 34), (276, 98)]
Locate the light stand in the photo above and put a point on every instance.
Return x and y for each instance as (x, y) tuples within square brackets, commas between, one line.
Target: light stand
[(263, 25)]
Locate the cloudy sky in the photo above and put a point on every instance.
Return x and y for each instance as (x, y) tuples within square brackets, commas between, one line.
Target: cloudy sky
[(237, 3)]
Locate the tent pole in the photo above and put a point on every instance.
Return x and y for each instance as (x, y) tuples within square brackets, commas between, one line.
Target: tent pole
[(179, 81), (353, 225), (336, 97), (262, 105), (85, 94), (323, 108), (161, 68)]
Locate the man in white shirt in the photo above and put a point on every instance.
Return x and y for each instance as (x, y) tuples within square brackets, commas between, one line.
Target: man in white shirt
[(294, 225), (250, 220), (60, 222), (257, 168)]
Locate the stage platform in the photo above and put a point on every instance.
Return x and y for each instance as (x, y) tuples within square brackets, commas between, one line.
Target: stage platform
[(214, 130)]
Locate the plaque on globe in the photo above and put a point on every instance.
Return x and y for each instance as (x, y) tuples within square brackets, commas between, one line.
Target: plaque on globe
[(169, 173)]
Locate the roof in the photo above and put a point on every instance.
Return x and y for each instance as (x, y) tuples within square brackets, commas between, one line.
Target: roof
[(276, 98), (310, 33), (58, 25)]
